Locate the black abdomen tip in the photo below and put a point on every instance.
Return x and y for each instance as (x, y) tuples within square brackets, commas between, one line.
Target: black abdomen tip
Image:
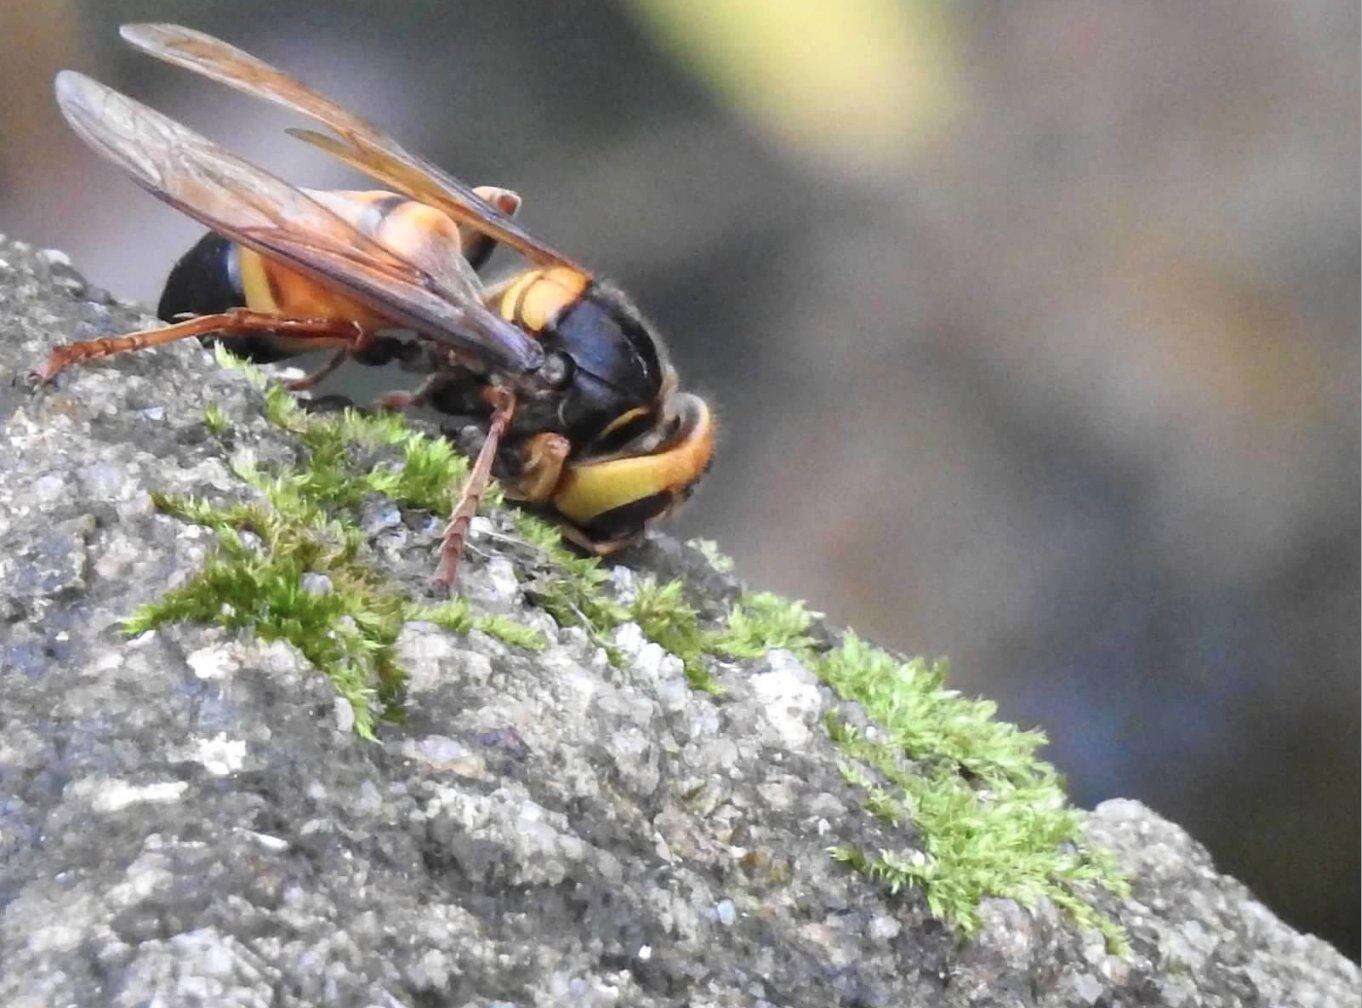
[(204, 282)]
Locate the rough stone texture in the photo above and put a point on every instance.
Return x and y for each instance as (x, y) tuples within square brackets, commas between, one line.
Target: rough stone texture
[(186, 818)]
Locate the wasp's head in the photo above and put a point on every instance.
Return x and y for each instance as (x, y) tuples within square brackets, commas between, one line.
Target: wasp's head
[(611, 498)]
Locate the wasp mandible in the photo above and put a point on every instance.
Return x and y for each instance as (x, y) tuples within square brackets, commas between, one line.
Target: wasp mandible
[(577, 404)]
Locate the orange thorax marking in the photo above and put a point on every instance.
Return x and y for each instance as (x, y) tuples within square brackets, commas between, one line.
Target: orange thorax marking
[(536, 299)]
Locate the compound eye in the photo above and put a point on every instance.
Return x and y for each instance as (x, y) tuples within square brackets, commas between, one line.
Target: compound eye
[(557, 370)]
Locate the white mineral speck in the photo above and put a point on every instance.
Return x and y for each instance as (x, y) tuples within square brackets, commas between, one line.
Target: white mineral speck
[(884, 928), (629, 640), (345, 714), (115, 795), (626, 583), (788, 697), (1086, 988), (212, 662), (49, 488), (501, 578), (269, 842), (428, 655), (220, 755), (54, 257)]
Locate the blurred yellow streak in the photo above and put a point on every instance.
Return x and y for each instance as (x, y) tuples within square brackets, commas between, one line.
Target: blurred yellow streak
[(866, 78)]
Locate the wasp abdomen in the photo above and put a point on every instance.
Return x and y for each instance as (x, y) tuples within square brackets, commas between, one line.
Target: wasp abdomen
[(205, 281), (627, 519)]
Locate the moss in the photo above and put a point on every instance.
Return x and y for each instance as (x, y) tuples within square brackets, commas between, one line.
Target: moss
[(568, 586), (304, 524), (760, 622), (348, 632), (667, 619), (215, 420), (457, 617), (709, 549), (992, 816)]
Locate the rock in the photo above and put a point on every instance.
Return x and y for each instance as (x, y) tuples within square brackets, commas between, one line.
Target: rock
[(185, 818), (786, 696)]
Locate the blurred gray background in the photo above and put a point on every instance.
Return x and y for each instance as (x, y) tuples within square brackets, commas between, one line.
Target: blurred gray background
[(1033, 327)]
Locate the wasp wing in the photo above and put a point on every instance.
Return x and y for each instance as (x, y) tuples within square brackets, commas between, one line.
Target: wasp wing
[(258, 210), (361, 144)]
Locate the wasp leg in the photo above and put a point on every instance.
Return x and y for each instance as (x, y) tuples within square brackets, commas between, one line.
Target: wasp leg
[(477, 247), (399, 401), (308, 381), (451, 546), (541, 467), (238, 321), (599, 547)]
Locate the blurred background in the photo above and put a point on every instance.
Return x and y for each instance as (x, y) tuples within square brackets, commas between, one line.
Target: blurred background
[(1033, 326)]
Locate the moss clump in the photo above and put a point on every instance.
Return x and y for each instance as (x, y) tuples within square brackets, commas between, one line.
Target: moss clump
[(568, 586), (457, 617), (305, 525), (667, 619), (215, 420), (347, 632), (760, 622), (709, 549), (992, 815)]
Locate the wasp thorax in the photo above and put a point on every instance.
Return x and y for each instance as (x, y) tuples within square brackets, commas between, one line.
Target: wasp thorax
[(556, 371)]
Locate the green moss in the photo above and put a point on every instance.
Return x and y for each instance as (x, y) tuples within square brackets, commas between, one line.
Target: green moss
[(305, 524), (709, 549), (457, 617), (348, 632), (231, 362), (508, 631), (215, 420), (760, 622), (666, 618), (992, 816), (568, 586)]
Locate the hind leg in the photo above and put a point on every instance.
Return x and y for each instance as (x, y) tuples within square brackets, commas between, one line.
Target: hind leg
[(319, 333)]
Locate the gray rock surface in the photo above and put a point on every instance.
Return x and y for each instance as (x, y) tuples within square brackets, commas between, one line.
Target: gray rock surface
[(187, 819)]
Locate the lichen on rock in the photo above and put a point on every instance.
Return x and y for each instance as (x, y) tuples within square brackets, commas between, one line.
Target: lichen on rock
[(582, 783)]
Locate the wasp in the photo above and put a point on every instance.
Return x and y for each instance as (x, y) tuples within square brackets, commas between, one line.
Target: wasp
[(576, 406)]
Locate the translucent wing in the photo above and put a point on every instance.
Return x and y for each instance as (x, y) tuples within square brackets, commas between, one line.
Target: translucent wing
[(359, 143), (260, 211)]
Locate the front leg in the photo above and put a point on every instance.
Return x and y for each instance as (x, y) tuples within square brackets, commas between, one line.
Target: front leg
[(541, 459), (451, 546)]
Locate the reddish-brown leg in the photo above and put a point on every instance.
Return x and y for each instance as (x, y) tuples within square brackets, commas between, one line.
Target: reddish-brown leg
[(451, 546), (399, 401), (325, 332), (601, 549), (307, 381)]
